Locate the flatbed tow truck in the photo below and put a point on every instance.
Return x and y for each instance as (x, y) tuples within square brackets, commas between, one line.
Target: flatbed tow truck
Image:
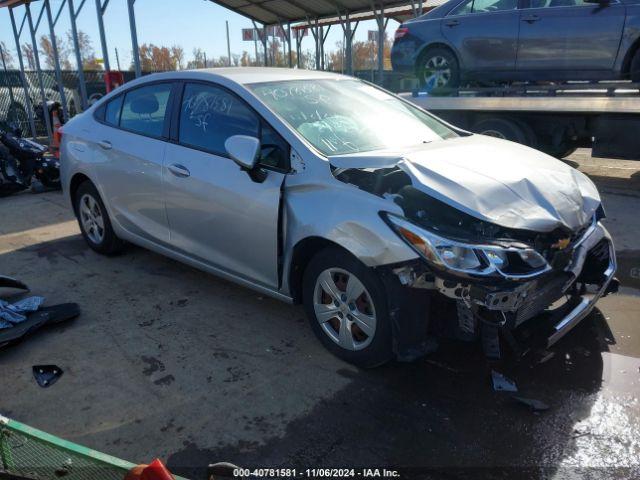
[(554, 118)]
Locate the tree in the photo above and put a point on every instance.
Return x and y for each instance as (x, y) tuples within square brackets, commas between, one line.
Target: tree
[(46, 50), (177, 52), (199, 58), (87, 53), (364, 54), (7, 58), (27, 53)]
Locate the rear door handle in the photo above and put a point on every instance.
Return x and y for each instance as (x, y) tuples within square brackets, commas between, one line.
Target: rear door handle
[(105, 144), (179, 170), (452, 23), (531, 18)]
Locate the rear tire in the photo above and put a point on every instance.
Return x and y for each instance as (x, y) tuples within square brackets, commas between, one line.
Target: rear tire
[(343, 311), (94, 221), (438, 70)]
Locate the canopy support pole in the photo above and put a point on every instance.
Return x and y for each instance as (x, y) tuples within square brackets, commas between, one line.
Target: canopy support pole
[(76, 46), (100, 9), (36, 59), (134, 38), (23, 79), (56, 60)]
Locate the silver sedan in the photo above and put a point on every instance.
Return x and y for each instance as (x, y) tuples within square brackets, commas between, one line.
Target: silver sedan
[(391, 227)]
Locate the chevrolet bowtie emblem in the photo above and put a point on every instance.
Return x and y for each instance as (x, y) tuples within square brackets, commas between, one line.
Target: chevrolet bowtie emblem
[(561, 244)]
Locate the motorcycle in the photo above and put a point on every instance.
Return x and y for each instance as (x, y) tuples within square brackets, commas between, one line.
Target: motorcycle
[(22, 161)]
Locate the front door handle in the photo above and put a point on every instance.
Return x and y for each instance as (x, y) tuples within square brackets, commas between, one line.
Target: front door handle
[(452, 23), (105, 144), (531, 18), (179, 170)]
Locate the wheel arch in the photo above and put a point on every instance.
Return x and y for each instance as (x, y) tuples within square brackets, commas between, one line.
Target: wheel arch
[(430, 46), (631, 53), (302, 254), (77, 180)]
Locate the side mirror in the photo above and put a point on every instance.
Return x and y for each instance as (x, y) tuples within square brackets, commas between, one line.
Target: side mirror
[(243, 150)]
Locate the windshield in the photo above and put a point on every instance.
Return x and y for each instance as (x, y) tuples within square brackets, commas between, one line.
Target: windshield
[(349, 116)]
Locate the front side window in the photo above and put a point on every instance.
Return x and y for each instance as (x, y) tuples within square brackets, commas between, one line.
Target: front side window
[(209, 115), (349, 116), (144, 108)]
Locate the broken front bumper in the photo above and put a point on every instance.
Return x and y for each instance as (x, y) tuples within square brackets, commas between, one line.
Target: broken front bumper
[(537, 311), (599, 238), (563, 296)]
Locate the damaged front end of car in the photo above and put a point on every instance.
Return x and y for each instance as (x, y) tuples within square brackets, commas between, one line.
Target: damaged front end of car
[(478, 280)]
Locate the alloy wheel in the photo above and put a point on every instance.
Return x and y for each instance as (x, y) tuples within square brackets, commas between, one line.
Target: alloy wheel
[(344, 308), (437, 73), (91, 218)]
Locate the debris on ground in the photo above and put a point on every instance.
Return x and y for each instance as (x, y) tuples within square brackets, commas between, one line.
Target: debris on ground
[(533, 403), (444, 366), (502, 383), (22, 317), (46, 375), (13, 313), (8, 282), (545, 356)]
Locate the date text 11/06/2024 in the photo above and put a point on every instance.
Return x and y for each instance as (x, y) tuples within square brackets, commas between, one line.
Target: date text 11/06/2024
[(316, 473)]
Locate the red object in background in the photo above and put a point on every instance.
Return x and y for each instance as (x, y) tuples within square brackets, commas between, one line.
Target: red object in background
[(113, 79), (57, 134), (154, 471)]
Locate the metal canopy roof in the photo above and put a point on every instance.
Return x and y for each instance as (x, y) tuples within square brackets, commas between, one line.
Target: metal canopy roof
[(272, 12), (13, 3)]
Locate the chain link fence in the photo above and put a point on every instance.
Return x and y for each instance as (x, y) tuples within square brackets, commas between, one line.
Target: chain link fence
[(13, 104)]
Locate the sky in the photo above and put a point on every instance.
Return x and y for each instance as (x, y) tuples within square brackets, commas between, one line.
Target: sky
[(188, 23)]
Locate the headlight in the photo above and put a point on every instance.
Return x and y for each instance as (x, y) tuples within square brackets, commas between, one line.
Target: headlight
[(453, 255)]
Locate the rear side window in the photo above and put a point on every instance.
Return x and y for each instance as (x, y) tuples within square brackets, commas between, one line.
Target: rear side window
[(209, 115), (559, 3), (112, 111), (486, 6), (144, 108)]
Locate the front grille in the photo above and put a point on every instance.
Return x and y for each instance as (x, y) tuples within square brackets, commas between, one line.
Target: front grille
[(538, 300)]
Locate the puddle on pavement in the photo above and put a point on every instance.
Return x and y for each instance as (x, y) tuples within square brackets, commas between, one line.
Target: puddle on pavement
[(629, 271)]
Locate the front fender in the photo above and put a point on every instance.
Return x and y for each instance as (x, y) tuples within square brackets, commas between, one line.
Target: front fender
[(342, 214)]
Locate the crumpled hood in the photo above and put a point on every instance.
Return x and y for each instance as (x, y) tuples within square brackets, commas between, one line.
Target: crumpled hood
[(493, 180)]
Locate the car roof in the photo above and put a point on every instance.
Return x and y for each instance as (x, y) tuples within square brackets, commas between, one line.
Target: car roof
[(246, 75)]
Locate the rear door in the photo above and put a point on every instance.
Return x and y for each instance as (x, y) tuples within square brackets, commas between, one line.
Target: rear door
[(218, 213), (484, 33), (129, 151), (569, 35)]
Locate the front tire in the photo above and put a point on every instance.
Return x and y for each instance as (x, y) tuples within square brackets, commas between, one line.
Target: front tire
[(345, 302), (94, 221)]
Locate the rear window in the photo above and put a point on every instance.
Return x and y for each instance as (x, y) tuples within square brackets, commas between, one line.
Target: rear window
[(112, 111), (144, 109)]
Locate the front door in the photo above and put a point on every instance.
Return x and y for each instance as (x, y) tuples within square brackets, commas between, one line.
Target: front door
[(484, 33), (218, 213), (569, 35)]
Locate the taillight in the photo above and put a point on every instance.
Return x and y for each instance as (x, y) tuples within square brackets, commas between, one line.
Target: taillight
[(401, 32)]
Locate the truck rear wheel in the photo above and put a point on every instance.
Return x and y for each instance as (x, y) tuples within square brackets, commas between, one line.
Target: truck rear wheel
[(634, 71), (503, 128)]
